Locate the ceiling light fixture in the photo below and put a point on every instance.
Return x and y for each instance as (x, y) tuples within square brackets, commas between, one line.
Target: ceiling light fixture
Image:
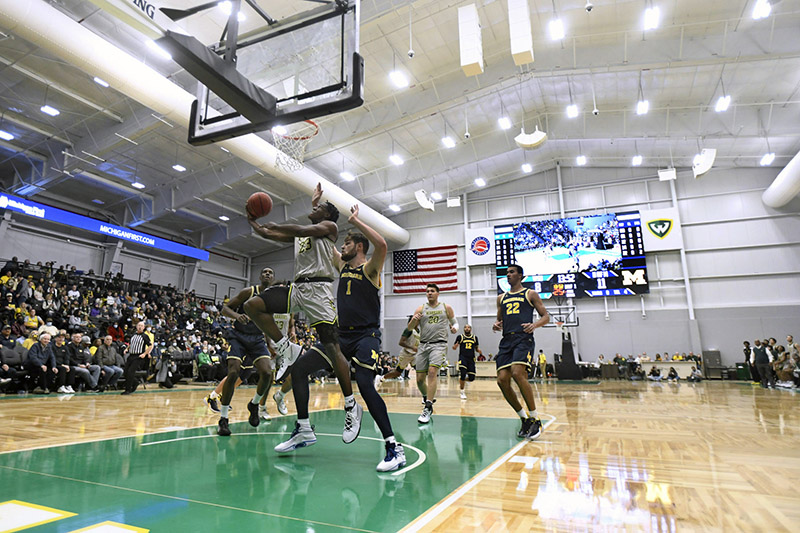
[(224, 218), (642, 107), (394, 207), (6, 136), (346, 176), (226, 8), (556, 29), (100, 81), (504, 123), (767, 159), (580, 160), (572, 111), (137, 185), (722, 104), (480, 182), (762, 9), (398, 79), (436, 196), (396, 159), (652, 15), (179, 168), (49, 110), (636, 161), (527, 168), (448, 142), (157, 49)]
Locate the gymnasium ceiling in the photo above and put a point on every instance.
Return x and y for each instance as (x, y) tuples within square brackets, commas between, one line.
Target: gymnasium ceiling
[(679, 65)]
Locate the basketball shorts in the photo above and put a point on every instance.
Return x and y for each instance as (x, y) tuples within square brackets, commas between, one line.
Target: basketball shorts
[(361, 347), (247, 348), (430, 354), (404, 359), (515, 349), (467, 368), (315, 299)]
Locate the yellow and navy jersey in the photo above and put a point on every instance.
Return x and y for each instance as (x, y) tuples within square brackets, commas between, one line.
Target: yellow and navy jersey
[(358, 299), (249, 328), (466, 346), (517, 310)]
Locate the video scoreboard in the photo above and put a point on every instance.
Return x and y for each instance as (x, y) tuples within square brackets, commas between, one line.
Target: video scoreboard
[(579, 257)]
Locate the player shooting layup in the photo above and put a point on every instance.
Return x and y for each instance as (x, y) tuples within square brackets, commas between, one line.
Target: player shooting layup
[(311, 292), (359, 304), (515, 319)]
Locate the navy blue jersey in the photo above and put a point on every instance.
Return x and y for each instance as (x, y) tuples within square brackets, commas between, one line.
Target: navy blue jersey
[(516, 310), (357, 299), (466, 346), (249, 328)]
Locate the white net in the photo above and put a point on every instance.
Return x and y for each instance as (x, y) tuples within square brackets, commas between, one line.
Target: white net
[(292, 144)]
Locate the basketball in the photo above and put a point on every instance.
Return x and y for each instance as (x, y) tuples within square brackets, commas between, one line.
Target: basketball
[(259, 204)]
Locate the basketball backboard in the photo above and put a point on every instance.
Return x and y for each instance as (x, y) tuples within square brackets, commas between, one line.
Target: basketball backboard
[(298, 68)]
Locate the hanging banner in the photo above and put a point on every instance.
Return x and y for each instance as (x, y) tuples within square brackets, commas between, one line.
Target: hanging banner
[(661, 230), (479, 246)]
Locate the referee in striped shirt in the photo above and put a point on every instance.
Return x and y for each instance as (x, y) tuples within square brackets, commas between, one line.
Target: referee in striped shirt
[(138, 352)]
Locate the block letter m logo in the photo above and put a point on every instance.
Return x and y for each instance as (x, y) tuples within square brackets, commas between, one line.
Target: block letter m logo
[(633, 277), (660, 228)]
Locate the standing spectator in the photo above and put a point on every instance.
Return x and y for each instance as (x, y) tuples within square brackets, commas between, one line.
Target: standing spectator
[(41, 365), (748, 354), (762, 361), (542, 364), (138, 356), (107, 358)]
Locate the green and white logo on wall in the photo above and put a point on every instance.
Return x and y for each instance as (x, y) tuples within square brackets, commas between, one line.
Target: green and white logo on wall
[(660, 228)]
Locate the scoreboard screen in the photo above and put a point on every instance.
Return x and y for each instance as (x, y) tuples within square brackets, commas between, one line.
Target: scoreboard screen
[(579, 257)]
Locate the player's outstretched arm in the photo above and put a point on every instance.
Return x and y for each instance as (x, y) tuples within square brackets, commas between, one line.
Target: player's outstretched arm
[(375, 264), (270, 230)]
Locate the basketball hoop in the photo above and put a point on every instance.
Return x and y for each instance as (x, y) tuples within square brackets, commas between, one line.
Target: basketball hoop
[(560, 326), (292, 145)]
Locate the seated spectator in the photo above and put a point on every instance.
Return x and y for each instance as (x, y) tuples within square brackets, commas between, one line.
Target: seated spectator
[(6, 340), (116, 332), (695, 376), (601, 360), (80, 361), (637, 374), (655, 374), (41, 365), (65, 377), (673, 374), (205, 368), (481, 357), (18, 329), (48, 327), (110, 362), (31, 340)]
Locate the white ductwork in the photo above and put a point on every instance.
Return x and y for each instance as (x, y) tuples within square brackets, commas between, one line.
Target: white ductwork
[(50, 29), (786, 185)]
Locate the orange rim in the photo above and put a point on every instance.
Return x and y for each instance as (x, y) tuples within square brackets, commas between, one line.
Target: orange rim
[(303, 137)]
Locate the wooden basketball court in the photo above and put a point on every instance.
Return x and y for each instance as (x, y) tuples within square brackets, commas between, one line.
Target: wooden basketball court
[(615, 455)]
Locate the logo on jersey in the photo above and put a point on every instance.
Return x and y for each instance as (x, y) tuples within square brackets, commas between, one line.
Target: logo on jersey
[(660, 228), (480, 246), (303, 245)]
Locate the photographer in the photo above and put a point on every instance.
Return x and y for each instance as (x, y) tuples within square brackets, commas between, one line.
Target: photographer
[(167, 374)]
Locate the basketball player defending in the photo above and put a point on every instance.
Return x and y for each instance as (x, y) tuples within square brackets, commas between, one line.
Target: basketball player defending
[(359, 306), (515, 319), (248, 350), (285, 323), (409, 341), (467, 344), (312, 293), (434, 318)]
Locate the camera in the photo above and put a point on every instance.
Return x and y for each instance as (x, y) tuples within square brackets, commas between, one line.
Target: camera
[(595, 111), (466, 135), (411, 53), (588, 7)]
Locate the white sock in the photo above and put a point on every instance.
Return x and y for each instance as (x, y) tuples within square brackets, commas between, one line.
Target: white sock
[(257, 397), (262, 408), (535, 414), (390, 440), (280, 394), (223, 410), (305, 424), (349, 401), (213, 395), (522, 414)]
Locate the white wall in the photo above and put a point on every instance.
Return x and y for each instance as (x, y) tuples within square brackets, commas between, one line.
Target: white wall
[(31, 239)]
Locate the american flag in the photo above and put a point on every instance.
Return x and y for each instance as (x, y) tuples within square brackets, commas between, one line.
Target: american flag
[(413, 269)]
